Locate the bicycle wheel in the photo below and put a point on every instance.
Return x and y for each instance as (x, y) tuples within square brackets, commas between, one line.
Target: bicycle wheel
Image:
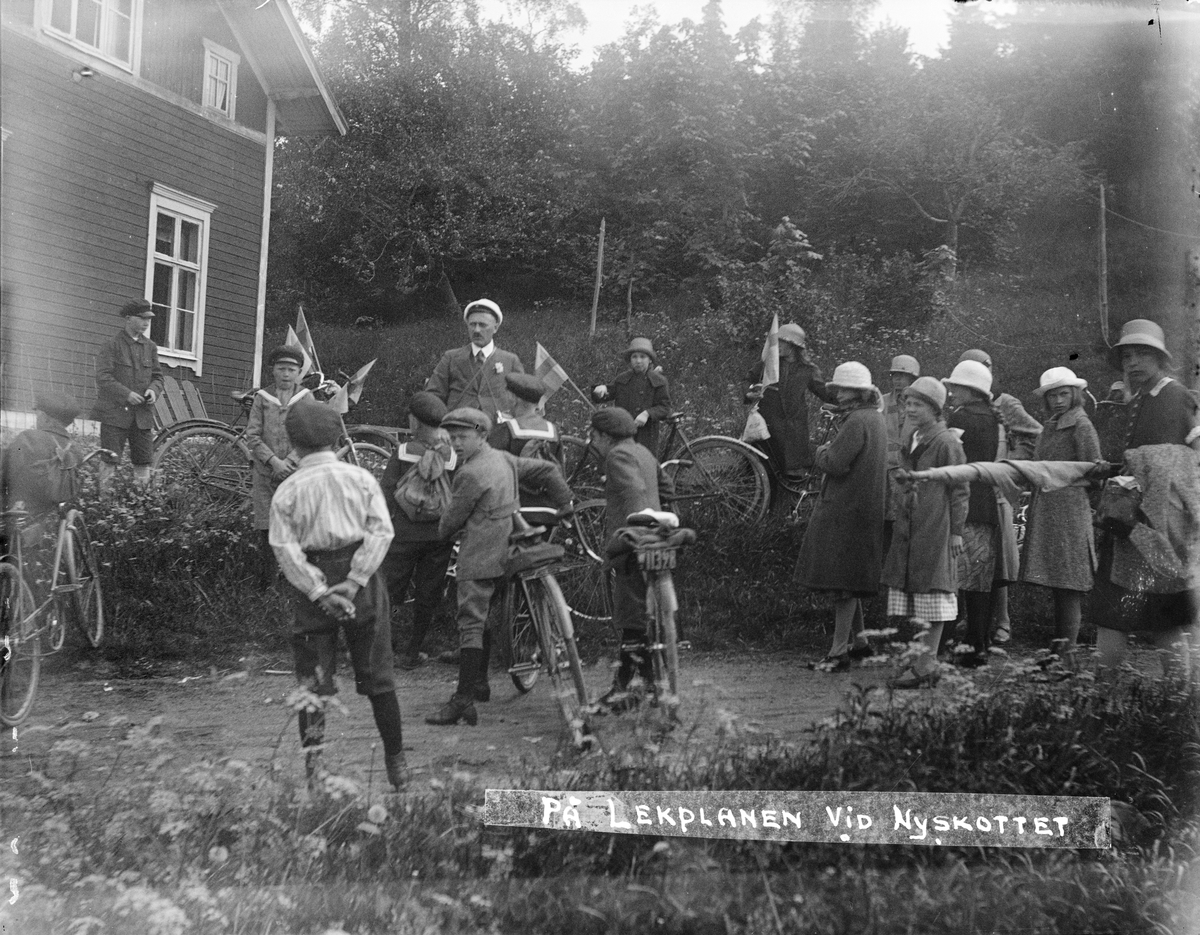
[(663, 639), (719, 480), (524, 649), (553, 622), (364, 435), (365, 455), (20, 648), (582, 468), (583, 575), (205, 464), (85, 602)]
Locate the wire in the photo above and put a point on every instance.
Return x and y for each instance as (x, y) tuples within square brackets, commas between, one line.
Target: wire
[(1192, 237), (1018, 347)]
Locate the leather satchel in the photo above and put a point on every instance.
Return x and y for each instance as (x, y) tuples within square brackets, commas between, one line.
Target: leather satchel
[(524, 555)]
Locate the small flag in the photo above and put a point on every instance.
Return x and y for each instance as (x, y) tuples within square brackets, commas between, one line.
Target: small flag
[(770, 354), (355, 387), (547, 369), (305, 340), (339, 402), (294, 341)]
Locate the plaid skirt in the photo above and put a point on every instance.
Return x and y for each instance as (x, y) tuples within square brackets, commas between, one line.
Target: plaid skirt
[(933, 606)]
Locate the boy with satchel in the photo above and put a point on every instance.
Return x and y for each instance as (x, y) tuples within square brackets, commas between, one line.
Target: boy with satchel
[(418, 555), (485, 495)]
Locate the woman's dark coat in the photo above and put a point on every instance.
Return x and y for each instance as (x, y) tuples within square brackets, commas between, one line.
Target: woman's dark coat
[(643, 392), (784, 407)]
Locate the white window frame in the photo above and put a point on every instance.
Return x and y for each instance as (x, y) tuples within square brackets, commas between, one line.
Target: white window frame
[(45, 10), (196, 210), (213, 54)]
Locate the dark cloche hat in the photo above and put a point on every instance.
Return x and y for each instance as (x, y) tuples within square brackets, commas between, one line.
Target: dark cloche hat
[(525, 386), (468, 418), (287, 353), (612, 420), (427, 409), (313, 425), (138, 307), (58, 405)]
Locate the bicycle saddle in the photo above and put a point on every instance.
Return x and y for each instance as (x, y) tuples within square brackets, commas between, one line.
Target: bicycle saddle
[(242, 395)]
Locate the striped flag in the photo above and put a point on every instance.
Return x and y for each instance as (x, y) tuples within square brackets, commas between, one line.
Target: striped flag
[(305, 340), (294, 341), (770, 354), (351, 392), (547, 369)]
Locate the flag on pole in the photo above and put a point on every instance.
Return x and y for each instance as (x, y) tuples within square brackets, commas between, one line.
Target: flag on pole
[(294, 341), (304, 337), (339, 402), (547, 369), (770, 354), (355, 387)]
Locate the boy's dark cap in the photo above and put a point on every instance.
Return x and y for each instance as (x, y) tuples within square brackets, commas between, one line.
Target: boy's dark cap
[(139, 308), (427, 409), (614, 421), (467, 418), (58, 405), (313, 425), (286, 353), (526, 386)]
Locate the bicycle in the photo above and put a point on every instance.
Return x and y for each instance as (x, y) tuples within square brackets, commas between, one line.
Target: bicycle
[(73, 593), (209, 461), (807, 486), (718, 479), (538, 633)]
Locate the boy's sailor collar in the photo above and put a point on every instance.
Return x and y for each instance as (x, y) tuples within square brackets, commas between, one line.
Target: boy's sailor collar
[(299, 394)]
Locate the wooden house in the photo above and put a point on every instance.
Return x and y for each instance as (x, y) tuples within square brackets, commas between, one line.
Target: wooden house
[(137, 147)]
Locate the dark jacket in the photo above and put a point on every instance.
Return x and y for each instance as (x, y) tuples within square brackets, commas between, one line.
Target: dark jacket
[(843, 545), (643, 392), (485, 496), (125, 366), (39, 468), (634, 481), (980, 442), (784, 407), (458, 381), (919, 560), (403, 460)]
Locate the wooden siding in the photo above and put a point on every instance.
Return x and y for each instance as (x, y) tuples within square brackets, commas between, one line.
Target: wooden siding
[(78, 169)]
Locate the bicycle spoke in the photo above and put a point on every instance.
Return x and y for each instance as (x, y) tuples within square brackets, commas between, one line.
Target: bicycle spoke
[(20, 648)]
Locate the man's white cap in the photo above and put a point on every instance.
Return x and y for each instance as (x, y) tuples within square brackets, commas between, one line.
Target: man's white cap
[(486, 305)]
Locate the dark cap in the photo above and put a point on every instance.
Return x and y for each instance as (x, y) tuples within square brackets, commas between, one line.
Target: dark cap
[(313, 425), (615, 421), (58, 405), (138, 307), (467, 418), (287, 353), (427, 409), (525, 386)]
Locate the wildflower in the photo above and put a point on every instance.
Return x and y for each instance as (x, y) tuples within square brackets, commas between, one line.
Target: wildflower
[(218, 854), (377, 814)]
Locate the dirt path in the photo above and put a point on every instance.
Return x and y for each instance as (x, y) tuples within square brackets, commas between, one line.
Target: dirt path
[(242, 715)]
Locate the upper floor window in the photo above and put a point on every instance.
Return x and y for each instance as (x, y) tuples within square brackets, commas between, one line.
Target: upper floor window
[(108, 26), (176, 273), (220, 78)]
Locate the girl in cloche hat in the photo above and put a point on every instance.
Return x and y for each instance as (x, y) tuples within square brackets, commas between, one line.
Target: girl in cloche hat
[(642, 391)]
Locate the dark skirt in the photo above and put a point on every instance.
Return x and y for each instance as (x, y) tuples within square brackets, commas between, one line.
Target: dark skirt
[(1116, 608)]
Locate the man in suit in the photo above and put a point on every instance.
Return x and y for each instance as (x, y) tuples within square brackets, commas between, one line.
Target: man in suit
[(484, 497), (633, 482), (129, 379), (474, 376)]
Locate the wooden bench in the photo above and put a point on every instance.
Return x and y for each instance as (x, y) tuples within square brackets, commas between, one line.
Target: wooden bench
[(180, 401)]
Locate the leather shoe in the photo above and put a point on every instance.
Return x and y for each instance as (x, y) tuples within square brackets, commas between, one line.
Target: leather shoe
[(832, 664), (861, 652), (450, 657), (972, 660), (409, 660), (619, 700), (910, 679), (458, 708), (482, 691), (397, 770)]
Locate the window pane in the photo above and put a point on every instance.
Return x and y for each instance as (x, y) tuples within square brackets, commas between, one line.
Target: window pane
[(124, 7), (164, 235), (187, 324), (87, 26), (160, 298), (118, 38), (189, 241), (187, 290), (60, 15)]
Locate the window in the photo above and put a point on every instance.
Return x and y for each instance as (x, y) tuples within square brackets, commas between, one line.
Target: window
[(220, 78), (177, 265), (107, 26)]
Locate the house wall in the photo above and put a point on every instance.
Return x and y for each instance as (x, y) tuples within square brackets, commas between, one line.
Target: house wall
[(79, 163)]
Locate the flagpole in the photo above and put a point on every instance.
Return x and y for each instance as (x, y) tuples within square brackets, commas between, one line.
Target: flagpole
[(591, 405)]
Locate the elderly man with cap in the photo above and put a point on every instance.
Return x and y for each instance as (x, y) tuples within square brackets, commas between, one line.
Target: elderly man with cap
[(641, 391), (129, 379), (633, 481), (330, 530), (474, 376), (485, 495), (40, 464), (418, 555), (784, 405), (272, 451), (1135, 591)]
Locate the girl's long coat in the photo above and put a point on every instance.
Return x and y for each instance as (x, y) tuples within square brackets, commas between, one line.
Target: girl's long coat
[(267, 437), (1060, 551), (784, 407), (920, 560), (843, 546)]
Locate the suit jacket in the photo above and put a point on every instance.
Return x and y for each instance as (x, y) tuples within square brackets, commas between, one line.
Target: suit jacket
[(485, 494), (635, 392), (125, 366), (634, 481), (457, 381)]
